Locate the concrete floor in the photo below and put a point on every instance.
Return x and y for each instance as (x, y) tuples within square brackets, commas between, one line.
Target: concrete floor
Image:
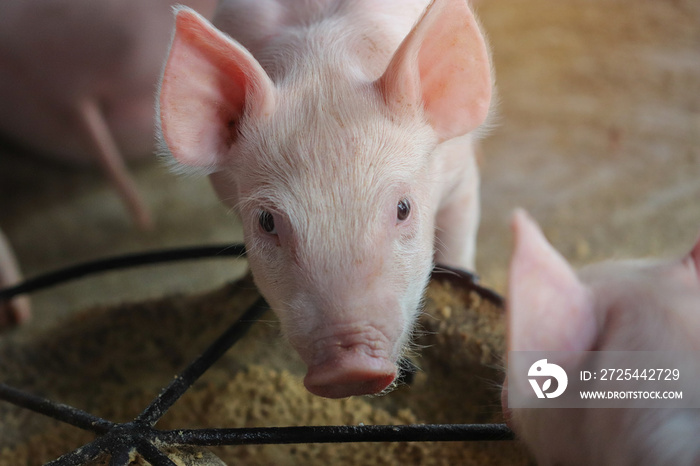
[(598, 136)]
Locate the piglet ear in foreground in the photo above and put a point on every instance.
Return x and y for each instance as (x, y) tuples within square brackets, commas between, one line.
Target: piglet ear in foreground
[(210, 83), (442, 64), (549, 309)]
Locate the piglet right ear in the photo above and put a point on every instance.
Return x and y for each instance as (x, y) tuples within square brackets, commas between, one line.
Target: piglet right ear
[(549, 309), (209, 84), (444, 67)]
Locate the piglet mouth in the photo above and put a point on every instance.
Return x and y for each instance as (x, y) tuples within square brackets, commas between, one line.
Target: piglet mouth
[(350, 363)]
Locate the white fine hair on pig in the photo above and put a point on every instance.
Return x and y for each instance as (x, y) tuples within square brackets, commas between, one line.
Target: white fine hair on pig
[(633, 305), (340, 133)]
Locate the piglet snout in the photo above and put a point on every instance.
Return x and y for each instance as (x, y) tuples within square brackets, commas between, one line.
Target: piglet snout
[(358, 363)]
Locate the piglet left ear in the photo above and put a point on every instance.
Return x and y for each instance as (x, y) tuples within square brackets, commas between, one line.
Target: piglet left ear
[(210, 83), (443, 66)]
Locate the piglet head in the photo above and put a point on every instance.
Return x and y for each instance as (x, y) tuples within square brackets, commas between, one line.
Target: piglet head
[(630, 305), (331, 175)]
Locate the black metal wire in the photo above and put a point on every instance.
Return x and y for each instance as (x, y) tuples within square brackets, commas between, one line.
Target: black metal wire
[(182, 382), (84, 454), (57, 277), (58, 411), (129, 260), (120, 439), (120, 456), (468, 280), (338, 434), (153, 454)]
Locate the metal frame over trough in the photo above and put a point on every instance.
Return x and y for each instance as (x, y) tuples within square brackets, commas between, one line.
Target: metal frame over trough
[(119, 440)]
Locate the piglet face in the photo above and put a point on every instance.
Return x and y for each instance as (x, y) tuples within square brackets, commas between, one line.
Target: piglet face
[(339, 237)]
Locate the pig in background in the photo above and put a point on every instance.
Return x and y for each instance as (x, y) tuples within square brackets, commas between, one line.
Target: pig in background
[(341, 133), (634, 305), (77, 80), (18, 310)]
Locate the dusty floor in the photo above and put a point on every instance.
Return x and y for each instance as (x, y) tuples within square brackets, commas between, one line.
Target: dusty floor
[(598, 136)]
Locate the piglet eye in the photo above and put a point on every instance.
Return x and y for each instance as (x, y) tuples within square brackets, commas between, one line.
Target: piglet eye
[(403, 210), (267, 222)]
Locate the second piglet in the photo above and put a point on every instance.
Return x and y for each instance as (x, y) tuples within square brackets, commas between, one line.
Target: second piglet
[(340, 133), (635, 305)]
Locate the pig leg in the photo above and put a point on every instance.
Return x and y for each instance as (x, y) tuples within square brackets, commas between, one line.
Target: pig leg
[(112, 162), (17, 310), (457, 222)]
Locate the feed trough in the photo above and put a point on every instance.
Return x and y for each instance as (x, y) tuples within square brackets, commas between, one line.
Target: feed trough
[(98, 379)]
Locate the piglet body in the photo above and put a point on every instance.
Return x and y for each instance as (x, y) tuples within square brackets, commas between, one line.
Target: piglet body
[(639, 305), (76, 83), (77, 80), (17, 310), (340, 133)]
